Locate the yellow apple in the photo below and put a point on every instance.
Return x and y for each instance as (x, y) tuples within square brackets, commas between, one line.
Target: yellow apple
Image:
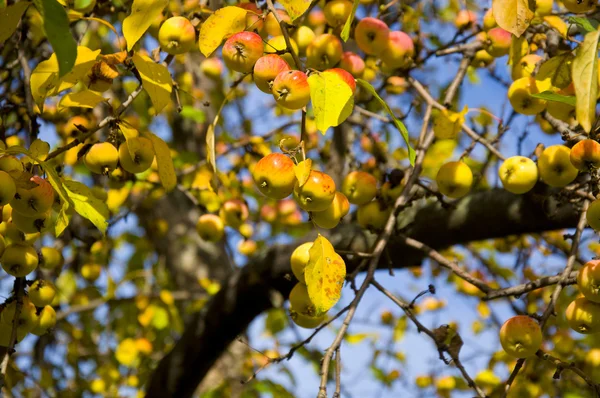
[(555, 166), (583, 316), (454, 179), (518, 174), (521, 336), (588, 280)]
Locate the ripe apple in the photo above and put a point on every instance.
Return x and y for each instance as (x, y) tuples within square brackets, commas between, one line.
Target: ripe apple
[(38, 222), (212, 67), (346, 76), (373, 215), (102, 158), (247, 247), (90, 271), (489, 22), (337, 12), (543, 7), (465, 19), (19, 259), (324, 52), (33, 201), (330, 217), (42, 293), (305, 321), (498, 42), (27, 320), (234, 212), (303, 37), (266, 70), (580, 6), (210, 227), (177, 35), (555, 166), (291, 89), (11, 165), (8, 189), (268, 213), (399, 51), (482, 59), (46, 320), (371, 35), (299, 260), (583, 316), (454, 179), (592, 215), (360, 187), (272, 26), (143, 158), (278, 44), (526, 66), (585, 154), (588, 280), (242, 50), (300, 301), (352, 63), (519, 95), (317, 193), (51, 258), (274, 176), (518, 174), (521, 336)]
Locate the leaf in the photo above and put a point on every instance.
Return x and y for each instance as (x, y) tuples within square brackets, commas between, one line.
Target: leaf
[(166, 170), (448, 124), (302, 171), (518, 49), (360, 337), (513, 15), (346, 30), (10, 18), (62, 220), (557, 23), (211, 154), (86, 204), (295, 8), (399, 125), (325, 274), (39, 149), (143, 14), (131, 135), (189, 112), (81, 99), (556, 72), (45, 81), (56, 25), (585, 79), (156, 80), (552, 96), (584, 23), (220, 25), (332, 99)]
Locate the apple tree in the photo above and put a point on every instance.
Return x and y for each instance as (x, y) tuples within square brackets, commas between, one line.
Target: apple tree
[(222, 199)]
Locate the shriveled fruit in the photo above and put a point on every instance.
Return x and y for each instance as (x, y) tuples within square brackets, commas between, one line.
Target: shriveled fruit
[(274, 176), (51, 258), (19, 259), (521, 336), (317, 193), (142, 158), (102, 158), (359, 187), (42, 292), (330, 217), (8, 189), (300, 301), (46, 321), (583, 316), (299, 260)]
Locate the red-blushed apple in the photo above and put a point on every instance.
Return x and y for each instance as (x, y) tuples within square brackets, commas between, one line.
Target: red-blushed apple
[(593, 215), (274, 176), (583, 316), (266, 70), (330, 217), (337, 12), (352, 63), (210, 227), (465, 19), (521, 336), (346, 76), (518, 174), (373, 215), (324, 52), (396, 85), (234, 212), (317, 193), (299, 260), (254, 20), (291, 89), (316, 19), (588, 280), (555, 166), (399, 51), (371, 35), (519, 95), (498, 42), (585, 154), (454, 179), (242, 50), (177, 35), (268, 213), (359, 187)]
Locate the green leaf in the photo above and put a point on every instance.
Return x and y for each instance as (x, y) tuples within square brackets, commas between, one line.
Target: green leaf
[(189, 112), (401, 127), (346, 31), (156, 80), (552, 96), (331, 98), (325, 274), (131, 136), (56, 25), (166, 170), (143, 14), (556, 71), (585, 79), (10, 18), (86, 204), (295, 8), (589, 25)]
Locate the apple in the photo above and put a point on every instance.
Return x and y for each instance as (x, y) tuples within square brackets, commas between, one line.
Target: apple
[(330, 217), (465, 19), (580, 6), (143, 155), (210, 227), (583, 316), (521, 336), (266, 70), (346, 76), (518, 174), (399, 51), (102, 158), (371, 35), (585, 154), (454, 179), (498, 42), (316, 19), (254, 20), (247, 247), (352, 63), (242, 50), (317, 193), (278, 44), (373, 215), (305, 321), (303, 37), (46, 321), (27, 320), (588, 280), (489, 22), (482, 59), (8, 189), (212, 67), (177, 35), (36, 200), (42, 293), (555, 166), (38, 222), (50, 258), (291, 89), (299, 260), (543, 7), (395, 85), (19, 259), (300, 301), (234, 212), (272, 26), (11, 165), (324, 52), (525, 67), (2, 245), (274, 176), (592, 215), (337, 12), (268, 213), (519, 95), (360, 187), (91, 271)]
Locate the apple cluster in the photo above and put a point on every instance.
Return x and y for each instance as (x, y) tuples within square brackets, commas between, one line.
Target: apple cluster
[(134, 156)]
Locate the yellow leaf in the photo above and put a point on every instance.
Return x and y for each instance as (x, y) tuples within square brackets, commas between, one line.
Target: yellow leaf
[(103, 22), (295, 8), (220, 25), (211, 155), (166, 170), (557, 23), (62, 220), (448, 124), (359, 337), (585, 80), (519, 47), (302, 171), (45, 81), (127, 352), (483, 309), (10, 18), (146, 317), (513, 15), (143, 14), (131, 135), (325, 274), (211, 287), (86, 204), (81, 99), (332, 99), (156, 80), (39, 149), (555, 72), (166, 297)]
